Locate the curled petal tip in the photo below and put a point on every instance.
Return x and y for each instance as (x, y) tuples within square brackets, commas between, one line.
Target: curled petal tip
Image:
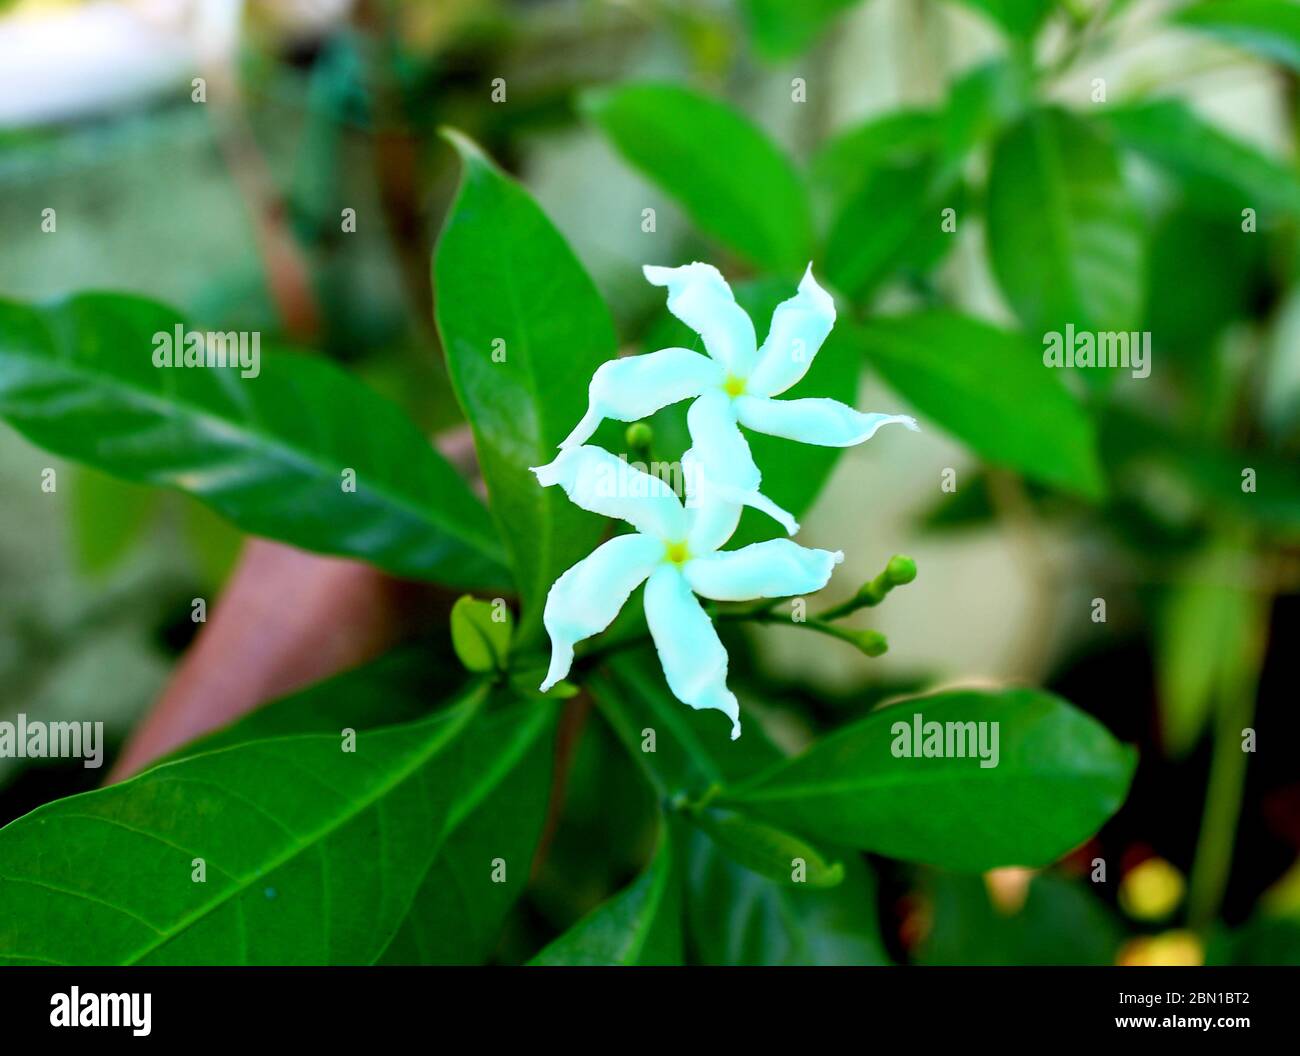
[(910, 422), (735, 729), (837, 557)]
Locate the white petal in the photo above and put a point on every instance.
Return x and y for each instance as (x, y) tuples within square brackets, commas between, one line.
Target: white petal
[(777, 568), (700, 297), (694, 661), (827, 423), (635, 387), (585, 600), (726, 466), (711, 518), (799, 326), (597, 481)]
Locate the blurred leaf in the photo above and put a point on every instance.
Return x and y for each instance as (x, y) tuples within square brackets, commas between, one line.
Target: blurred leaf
[(640, 925), (1206, 623), (1202, 275), (781, 29), (981, 102), (766, 850), (292, 872), (1059, 775), (892, 223), (1268, 28), (1280, 394), (507, 282), (1224, 173), (107, 517), (1061, 922), (457, 914), (481, 643), (1020, 19), (1065, 239), (846, 161), (737, 917), (733, 181), (269, 452), (990, 389), (1134, 447)]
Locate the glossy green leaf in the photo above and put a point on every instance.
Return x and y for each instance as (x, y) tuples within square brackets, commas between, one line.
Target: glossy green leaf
[(1058, 776), (267, 452), (733, 181), (767, 850), (312, 853), (1268, 28), (1225, 173), (1065, 240), (736, 917), (781, 29), (398, 687), (640, 925), (481, 641), (524, 330), (691, 749), (990, 389), (484, 865), (501, 777)]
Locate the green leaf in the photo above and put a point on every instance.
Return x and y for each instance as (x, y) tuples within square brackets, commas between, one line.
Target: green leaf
[(1268, 28), (398, 687), (1019, 19), (1207, 623), (482, 643), (893, 222), (1059, 776), (640, 925), (1066, 241), (1140, 452), (767, 850), (503, 760), (781, 29), (267, 452), (990, 389), (736, 917), (108, 516), (507, 283), (1223, 172), (691, 749), (845, 161), (733, 181), (1061, 922), (483, 867), (312, 853)]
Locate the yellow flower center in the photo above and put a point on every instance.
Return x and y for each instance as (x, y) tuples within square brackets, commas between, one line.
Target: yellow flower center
[(677, 553), (733, 386)]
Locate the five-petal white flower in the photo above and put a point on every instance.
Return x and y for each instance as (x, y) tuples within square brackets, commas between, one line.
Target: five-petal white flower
[(675, 552), (734, 384)]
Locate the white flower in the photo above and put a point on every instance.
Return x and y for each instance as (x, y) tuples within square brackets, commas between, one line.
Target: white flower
[(674, 551), (734, 384)]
